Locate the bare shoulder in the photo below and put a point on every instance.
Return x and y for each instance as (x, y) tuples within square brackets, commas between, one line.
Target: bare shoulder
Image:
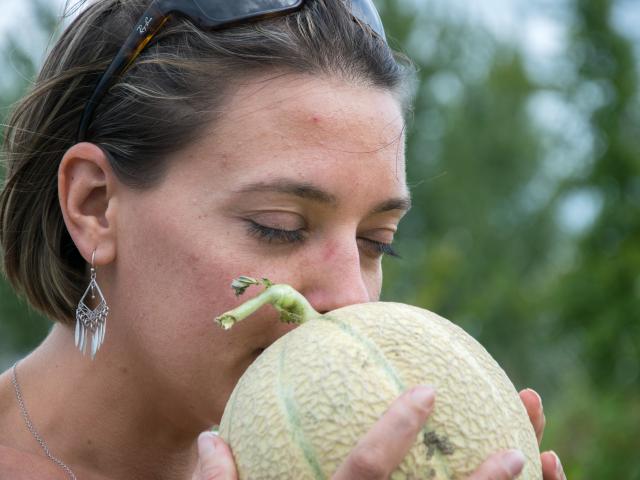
[(19, 465), (16, 464), (9, 413)]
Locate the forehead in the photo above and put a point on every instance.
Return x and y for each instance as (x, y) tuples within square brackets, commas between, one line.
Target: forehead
[(313, 128), (303, 104)]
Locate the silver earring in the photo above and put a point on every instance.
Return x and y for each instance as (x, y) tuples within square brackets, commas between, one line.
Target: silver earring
[(91, 322)]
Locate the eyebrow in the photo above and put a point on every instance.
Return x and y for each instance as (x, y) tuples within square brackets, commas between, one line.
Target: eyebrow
[(308, 191), (303, 190), (400, 203)]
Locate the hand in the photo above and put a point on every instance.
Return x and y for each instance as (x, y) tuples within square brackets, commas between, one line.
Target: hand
[(383, 448), (551, 466), (215, 461)]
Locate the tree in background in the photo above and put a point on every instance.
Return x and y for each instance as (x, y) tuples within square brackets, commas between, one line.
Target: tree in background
[(21, 328), (485, 244), (478, 241), (600, 295), (596, 300)]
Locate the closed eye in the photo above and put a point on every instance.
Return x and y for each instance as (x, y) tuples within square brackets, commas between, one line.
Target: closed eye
[(274, 235), (381, 248), (280, 236)]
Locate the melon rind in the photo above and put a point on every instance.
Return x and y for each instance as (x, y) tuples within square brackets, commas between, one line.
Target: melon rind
[(302, 406)]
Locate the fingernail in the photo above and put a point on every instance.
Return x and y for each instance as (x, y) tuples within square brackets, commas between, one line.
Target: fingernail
[(513, 462), (206, 443), (559, 469), (423, 396), (537, 396)]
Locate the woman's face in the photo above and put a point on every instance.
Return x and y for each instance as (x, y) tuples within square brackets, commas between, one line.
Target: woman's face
[(302, 181)]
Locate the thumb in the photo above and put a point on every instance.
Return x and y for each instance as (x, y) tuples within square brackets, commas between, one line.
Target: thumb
[(215, 459)]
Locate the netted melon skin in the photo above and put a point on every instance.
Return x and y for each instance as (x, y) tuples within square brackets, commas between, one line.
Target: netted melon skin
[(302, 406)]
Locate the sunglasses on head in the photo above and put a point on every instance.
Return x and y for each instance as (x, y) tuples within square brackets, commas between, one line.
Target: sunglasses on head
[(206, 14)]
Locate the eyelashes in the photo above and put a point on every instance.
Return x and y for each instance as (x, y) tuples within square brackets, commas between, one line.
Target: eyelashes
[(384, 248), (274, 235), (279, 236)]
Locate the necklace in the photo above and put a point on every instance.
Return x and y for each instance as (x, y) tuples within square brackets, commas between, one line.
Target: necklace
[(27, 421)]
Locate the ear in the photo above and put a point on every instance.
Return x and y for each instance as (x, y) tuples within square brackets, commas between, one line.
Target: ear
[(87, 190)]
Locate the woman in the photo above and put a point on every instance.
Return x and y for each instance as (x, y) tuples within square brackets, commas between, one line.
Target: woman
[(243, 139)]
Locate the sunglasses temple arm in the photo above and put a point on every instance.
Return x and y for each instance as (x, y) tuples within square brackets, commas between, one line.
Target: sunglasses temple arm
[(151, 21)]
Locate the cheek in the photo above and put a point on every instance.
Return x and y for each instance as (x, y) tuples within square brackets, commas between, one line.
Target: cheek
[(171, 290), (182, 278), (165, 277)]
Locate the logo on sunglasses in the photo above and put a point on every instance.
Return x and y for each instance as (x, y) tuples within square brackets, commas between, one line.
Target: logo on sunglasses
[(142, 29)]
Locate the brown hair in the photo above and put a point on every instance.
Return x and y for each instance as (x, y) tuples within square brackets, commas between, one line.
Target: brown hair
[(163, 102)]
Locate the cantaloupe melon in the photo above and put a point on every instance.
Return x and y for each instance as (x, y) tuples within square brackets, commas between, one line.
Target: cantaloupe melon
[(302, 406)]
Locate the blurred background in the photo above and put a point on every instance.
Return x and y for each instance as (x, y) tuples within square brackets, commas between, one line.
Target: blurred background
[(524, 164)]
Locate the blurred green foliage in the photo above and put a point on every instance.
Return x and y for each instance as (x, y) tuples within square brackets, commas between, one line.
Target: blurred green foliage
[(21, 328), (489, 242)]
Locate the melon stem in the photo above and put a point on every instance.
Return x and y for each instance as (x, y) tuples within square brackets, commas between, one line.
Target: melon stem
[(291, 304)]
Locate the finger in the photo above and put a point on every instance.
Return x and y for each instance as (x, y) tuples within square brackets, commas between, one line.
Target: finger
[(533, 405), (551, 467), (503, 465), (384, 447), (215, 460)]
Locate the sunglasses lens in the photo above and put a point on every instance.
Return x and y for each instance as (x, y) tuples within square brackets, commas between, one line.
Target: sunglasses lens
[(214, 13), (366, 12), (208, 13)]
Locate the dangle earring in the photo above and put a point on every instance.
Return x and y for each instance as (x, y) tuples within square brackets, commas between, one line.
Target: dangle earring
[(91, 322)]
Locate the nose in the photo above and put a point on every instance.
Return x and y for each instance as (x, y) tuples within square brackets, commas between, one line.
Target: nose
[(333, 277)]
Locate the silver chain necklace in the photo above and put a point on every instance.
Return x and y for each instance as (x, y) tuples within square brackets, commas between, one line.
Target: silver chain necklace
[(27, 421)]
